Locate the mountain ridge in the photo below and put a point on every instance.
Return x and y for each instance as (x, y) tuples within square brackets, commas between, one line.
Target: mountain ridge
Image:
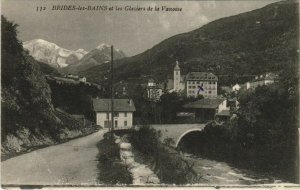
[(69, 61), (253, 42)]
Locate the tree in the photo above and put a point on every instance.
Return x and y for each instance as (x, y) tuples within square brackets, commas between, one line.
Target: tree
[(26, 97)]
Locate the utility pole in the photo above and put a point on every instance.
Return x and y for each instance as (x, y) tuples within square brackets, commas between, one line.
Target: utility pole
[(112, 92)]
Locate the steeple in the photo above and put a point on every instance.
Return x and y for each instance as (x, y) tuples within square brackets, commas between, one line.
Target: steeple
[(177, 68), (176, 77)]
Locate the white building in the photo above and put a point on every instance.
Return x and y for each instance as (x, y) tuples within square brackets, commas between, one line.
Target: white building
[(123, 112), (178, 80), (194, 83), (201, 83)]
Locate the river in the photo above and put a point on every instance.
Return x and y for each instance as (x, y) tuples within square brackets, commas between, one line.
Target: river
[(213, 172)]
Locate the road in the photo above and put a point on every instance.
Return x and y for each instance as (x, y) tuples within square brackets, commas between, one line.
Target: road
[(73, 162)]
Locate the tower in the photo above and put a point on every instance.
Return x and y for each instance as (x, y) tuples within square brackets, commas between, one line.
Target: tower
[(177, 77)]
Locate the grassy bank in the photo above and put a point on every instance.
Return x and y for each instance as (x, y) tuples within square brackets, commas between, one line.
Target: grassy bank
[(168, 165)]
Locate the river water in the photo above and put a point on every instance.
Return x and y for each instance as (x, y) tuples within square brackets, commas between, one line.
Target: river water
[(220, 173)]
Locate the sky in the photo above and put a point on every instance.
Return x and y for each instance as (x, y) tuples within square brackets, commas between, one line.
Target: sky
[(131, 31)]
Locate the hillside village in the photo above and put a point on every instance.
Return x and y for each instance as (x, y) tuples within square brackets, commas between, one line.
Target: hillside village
[(213, 105)]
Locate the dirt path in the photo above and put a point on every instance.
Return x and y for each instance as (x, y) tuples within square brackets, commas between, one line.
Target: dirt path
[(73, 162)]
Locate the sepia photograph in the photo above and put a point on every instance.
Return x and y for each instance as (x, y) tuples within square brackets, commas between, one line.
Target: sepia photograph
[(98, 93)]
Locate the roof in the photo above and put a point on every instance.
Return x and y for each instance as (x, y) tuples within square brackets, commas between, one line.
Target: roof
[(224, 113), (104, 105), (205, 103), (201, 76)]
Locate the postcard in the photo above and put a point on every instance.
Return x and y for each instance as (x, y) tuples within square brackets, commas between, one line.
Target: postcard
[(150, 93)]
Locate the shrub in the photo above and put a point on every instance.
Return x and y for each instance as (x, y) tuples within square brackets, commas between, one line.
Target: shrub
[(112, 170), (169, 166)]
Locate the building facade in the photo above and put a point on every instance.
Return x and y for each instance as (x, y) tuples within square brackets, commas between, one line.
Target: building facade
[(154, 91), (123, 112), (178, 82), (206, 109), (201, 83)]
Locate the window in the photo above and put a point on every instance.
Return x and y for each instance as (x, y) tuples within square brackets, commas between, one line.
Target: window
[(198, 82), (116, 123), (107, 115), (116, 114), (125, 114), (209, 92), (125, 123)]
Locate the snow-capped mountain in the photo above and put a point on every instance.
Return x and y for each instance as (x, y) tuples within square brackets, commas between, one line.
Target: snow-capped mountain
[(70, 61), (97, 56), (52, 54), (106, 48)]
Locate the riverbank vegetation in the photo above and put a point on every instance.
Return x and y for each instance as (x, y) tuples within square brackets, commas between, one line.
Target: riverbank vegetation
[(263, 138), (168, 165)]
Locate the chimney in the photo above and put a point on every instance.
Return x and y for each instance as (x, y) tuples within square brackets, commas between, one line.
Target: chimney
[(129, 101)]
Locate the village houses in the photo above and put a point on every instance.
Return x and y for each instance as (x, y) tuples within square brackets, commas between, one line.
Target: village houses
[(194, 83), (260, 80), (207, 109)]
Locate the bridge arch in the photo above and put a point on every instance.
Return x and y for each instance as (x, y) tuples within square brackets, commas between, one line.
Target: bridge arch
[(185, 133)]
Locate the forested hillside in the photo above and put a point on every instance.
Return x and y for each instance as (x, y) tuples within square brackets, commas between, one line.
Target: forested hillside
[(28, 117), (250, 43), (26, 98)]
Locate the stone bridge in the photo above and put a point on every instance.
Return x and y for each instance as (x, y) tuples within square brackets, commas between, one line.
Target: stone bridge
[(176, 131)]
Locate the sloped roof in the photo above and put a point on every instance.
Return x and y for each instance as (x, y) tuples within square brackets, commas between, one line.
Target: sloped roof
[(205, 103), (104, 105), (201, 76), (223, 113)]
